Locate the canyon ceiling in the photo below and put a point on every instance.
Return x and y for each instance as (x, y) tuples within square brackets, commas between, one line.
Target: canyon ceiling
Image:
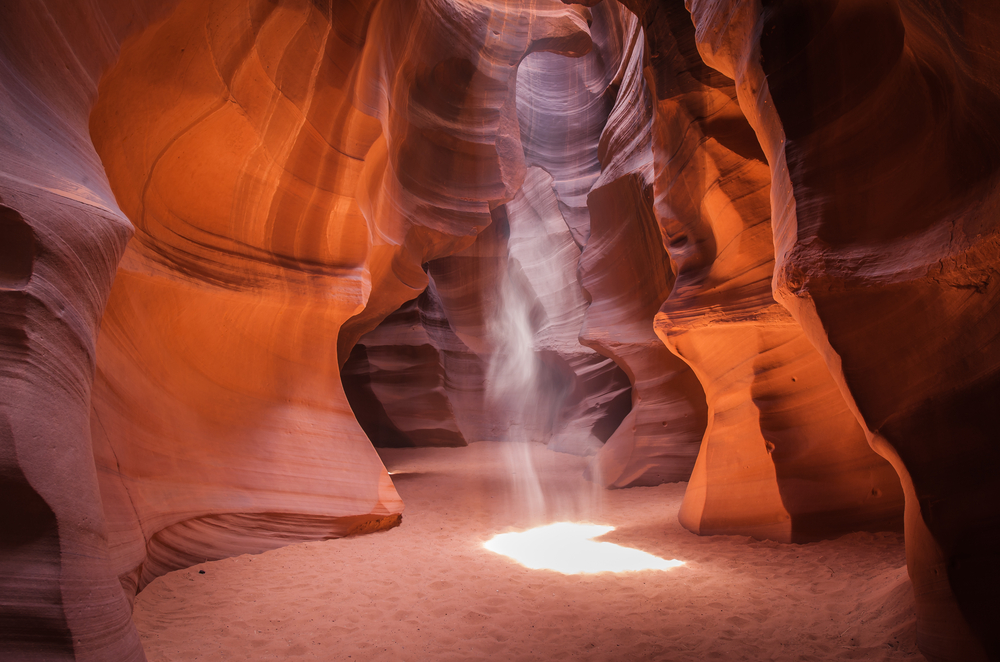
[(751, 245)]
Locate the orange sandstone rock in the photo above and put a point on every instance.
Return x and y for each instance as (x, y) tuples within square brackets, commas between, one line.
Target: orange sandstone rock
[(879, 121), (627, 274), (783, 457), (273, 158)]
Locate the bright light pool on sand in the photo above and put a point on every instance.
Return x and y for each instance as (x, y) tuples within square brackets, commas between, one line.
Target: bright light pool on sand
[(568, 548)]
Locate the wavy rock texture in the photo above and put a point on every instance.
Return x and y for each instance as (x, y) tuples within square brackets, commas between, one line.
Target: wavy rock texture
[(274, 158), (880, 122), (297, 170), (563, 105), (270, 211), (783, 457), (627, 275), (218, 412), (514, 297), (551, 388), (442, 80), (571, 395), (61, 236), (404, 379)]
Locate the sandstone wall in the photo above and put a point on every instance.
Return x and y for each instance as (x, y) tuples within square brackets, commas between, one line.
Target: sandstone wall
[(207, 209), (559, 318), (879, 124), (287, 168)]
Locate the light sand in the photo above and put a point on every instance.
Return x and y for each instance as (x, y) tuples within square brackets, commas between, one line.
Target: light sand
[(428, 590)]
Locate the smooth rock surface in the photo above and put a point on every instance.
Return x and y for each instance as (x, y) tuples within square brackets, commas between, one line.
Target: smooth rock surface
[(315, 159), (783, 457), (271, 157), (207, 209), (61, 236), (627, 274), (879, 123)]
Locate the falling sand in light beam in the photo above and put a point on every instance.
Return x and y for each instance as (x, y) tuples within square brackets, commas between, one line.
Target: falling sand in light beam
[(568, 548)]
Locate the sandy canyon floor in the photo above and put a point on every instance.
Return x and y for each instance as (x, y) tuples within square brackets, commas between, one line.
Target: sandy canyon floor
[(429, 590)]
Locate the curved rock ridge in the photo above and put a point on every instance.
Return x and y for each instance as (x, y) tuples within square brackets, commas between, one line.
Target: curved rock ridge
[(313, 161), (563, 106), (627, 275), (783, 457), (514, 296), (441, 78), (61, 236), (551, 386), (548, 386), (405, 378), (880, 122), (275, 160), (217, 392), (749, 244)]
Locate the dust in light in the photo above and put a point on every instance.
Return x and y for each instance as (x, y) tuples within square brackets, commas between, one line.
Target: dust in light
[(568, 548)]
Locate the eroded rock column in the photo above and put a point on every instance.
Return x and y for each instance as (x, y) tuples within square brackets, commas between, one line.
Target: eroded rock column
[(783, 457), (879, 122), (61, 236), (627, 274), (298, 163)]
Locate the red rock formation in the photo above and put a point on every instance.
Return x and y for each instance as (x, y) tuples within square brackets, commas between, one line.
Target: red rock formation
[(399, 378), (880, 121), (627, 275), (296, 171), (300, 211), (270, 209), (219, 421), (61, 235), (519, 301), (553, 388), (528, 264), (441, 77), (563, 106), (783, 458), (523, 310)]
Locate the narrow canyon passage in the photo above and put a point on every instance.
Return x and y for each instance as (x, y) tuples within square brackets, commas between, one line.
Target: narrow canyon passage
[(428, 590), (273, 272)]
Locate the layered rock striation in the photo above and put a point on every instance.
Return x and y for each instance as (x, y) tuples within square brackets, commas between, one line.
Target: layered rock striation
[(565, 348), (879, 122), (750, 244), (287, 168), (409, 379), (62, 234), (627, 274)]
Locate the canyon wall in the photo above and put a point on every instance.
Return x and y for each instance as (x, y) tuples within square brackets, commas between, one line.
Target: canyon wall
[(627, 274), (783, 456), (287, 168), (878, 121), (62, 234), (309, 162), (751, 245), (554, 300)]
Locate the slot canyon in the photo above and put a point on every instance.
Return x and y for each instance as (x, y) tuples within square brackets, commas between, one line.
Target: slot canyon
[(310, 308)]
